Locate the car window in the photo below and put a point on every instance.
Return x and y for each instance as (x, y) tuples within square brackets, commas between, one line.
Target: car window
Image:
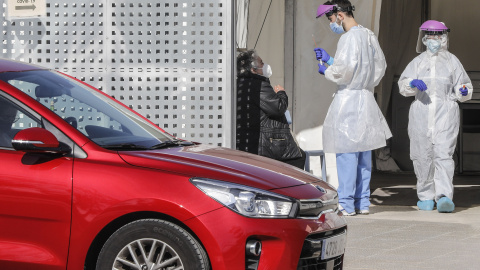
[(71, 109), (104, 121), (12, 120)]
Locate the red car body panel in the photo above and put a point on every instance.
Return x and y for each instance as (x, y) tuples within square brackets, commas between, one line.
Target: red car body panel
[(56, 207), (130, 190), (35, 209), (138, 189), (228, 165), (239, 163)]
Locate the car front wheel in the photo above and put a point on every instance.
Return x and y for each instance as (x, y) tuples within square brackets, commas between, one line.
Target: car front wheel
[(150, 244)]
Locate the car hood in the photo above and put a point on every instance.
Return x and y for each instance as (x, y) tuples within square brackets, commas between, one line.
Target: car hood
[(207, 161)]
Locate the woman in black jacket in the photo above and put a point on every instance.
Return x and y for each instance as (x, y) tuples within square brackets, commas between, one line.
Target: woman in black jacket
[(262, 127)]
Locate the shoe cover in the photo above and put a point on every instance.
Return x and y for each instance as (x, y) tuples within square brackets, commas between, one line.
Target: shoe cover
[(426, 205), (445, 205)]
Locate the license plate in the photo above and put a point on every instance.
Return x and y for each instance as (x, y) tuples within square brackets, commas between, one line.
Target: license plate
[(334, 246)]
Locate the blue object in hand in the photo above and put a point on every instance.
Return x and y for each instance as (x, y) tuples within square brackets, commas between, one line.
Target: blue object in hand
[(322, 55), (419, 84), (464, 91), (288, 117), (321, 69)]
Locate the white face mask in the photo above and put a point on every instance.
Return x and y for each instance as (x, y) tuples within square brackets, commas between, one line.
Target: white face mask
[(433, 45), (267, 70)]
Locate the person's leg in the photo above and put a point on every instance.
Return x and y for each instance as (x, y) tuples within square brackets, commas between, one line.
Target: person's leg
[(424, 170), (421, 153), (444, 170), (297, 162), (347, 175), (443, 151), (364, 174)]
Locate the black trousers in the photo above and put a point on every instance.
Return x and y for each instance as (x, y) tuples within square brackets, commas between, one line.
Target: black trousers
[(298, 162)]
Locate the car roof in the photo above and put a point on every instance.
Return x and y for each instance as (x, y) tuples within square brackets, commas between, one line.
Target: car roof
[(8, 65)]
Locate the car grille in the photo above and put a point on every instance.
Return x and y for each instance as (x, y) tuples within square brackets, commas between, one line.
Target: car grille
[(312, 209), (310, 258), (335, 263)]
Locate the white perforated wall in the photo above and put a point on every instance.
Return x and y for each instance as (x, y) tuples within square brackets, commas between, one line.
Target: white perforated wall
[(169, 60)]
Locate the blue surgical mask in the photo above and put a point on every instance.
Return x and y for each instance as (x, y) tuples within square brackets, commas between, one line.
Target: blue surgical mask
[(433, 45), (336, 28)]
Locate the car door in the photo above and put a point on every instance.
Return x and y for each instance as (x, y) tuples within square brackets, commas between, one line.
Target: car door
[(35, 201)]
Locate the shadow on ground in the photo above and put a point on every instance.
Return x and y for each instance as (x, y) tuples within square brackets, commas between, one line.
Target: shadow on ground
[(399, 189)]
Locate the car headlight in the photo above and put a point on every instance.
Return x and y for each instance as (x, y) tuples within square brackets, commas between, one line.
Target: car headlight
[(248, 201)]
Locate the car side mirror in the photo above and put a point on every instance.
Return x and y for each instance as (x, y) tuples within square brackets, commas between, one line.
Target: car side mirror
[(38, 140)]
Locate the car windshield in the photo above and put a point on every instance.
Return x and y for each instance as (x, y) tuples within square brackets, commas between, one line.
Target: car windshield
[(101, 119)]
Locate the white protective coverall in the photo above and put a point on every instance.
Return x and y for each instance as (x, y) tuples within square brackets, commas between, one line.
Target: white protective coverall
[(434, 119), (354, 122)]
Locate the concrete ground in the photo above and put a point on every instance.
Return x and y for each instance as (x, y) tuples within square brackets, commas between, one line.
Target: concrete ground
[(396, 235)]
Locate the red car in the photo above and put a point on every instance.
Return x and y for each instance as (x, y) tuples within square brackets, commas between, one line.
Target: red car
[(87, 183)]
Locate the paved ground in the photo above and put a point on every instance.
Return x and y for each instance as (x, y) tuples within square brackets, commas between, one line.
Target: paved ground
[(396, 235)]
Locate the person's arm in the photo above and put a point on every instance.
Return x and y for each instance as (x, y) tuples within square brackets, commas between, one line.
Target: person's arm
[(346, 60), (408, 75), (379, 60), (271, 103), (463, 88)]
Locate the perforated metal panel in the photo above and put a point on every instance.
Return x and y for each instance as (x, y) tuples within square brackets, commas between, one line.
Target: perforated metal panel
[(169, 60)]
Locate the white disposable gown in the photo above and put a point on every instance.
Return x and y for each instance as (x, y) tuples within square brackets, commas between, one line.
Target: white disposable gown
[(434, 119), (354, 122)]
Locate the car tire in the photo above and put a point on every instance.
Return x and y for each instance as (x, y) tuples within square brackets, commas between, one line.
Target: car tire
[(147, 242)]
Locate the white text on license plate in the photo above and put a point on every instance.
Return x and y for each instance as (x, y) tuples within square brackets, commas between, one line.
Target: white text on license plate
[(334, 246)]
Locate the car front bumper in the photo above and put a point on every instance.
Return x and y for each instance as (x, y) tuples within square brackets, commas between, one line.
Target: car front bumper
[(225, 233)]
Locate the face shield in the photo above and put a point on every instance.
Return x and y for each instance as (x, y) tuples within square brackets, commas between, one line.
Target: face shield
[(432, 30), (329, 10)]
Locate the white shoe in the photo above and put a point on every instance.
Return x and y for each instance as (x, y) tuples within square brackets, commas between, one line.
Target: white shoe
[(348, 214), (344, 212), (362, 212)]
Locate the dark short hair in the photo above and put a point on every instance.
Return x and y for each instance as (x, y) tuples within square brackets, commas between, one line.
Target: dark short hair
[(246, 61), (344, 6)]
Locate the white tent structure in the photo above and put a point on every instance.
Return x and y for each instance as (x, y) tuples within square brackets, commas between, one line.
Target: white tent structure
[(242, 23)]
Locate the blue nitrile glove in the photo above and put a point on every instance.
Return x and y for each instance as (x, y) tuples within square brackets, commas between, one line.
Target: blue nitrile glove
[(419, 84), (463, 91), (323, 55), (321, 69)]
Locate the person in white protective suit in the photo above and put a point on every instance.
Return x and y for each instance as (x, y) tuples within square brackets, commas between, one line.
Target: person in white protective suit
[(354, 124), (438, 80)]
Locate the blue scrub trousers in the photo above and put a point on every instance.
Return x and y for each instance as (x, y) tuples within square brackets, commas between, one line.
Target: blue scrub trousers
[(354, 173)]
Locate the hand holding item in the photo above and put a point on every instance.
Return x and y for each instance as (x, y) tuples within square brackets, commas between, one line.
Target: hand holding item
[(322, 55), (321, 69), (463, 91), (419, 84)]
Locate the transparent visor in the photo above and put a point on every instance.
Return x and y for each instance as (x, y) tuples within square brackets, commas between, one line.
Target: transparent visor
[(423, 36)]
